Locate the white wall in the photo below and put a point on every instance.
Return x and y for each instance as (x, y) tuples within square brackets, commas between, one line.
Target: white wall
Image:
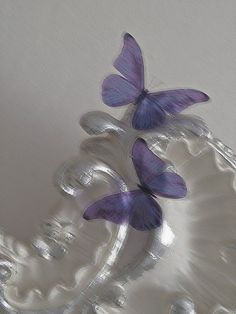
[(53, 57)]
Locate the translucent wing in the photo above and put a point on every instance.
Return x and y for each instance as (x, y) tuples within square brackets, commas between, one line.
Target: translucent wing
[(130, 62), (135, 207), (117, 91), (168, 184), (151, 172), (115, 208), (146, 212), (174, 101), (148, 115), (146, 163)]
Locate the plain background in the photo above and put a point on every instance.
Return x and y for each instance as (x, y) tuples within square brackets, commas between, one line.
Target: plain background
[(53, 58)]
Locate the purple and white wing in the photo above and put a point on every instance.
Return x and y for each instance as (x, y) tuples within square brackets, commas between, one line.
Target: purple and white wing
[(146, 163), (115, 208), (117, 91), (151, 172), (168, 184), (148, 115), (174, 101), (146, 212), (130, 62)]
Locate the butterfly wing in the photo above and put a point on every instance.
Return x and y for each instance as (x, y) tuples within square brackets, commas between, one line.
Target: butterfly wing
[(148, 115), (146, 163), (174, 101), (146, 212), (115, 208), (168, 184), (117, 91), (130, 62), (135, 207), (151, 172)]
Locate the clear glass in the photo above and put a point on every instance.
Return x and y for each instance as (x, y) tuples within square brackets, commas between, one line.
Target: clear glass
[(186, 266)]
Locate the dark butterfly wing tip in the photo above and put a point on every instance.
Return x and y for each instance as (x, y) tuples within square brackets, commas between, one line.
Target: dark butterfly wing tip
[(202, 97), (205, 97), (128, 36), (86, 217), (140, 140)]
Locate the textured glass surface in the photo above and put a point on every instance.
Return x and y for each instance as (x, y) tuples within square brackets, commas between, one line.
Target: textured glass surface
[(79, 266)]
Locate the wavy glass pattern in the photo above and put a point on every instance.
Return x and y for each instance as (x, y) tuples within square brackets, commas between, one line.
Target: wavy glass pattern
[(76, 266)]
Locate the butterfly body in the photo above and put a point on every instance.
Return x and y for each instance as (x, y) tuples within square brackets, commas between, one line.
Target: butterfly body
[(151, 108), (146, 190), (141, 97)]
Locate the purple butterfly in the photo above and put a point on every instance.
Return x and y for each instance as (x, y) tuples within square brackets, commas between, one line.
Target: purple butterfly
[(138, 207), (151, 107)]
